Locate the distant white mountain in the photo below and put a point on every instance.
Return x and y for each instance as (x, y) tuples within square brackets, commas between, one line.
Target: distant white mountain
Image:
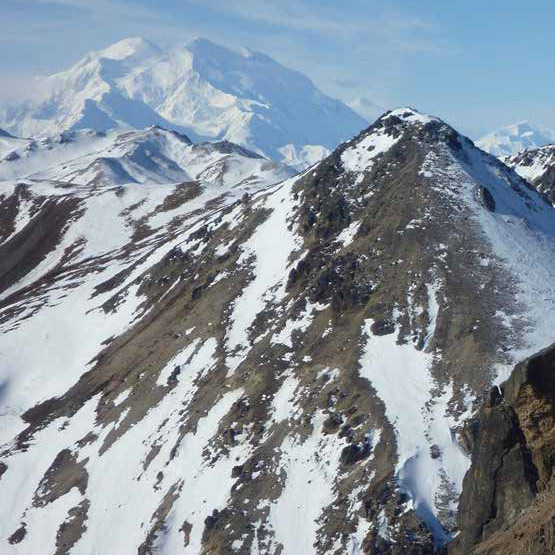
[(202, 89), (367, 109), (515, 138)]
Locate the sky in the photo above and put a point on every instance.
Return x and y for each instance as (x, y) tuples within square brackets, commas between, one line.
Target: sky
[(478, 65)]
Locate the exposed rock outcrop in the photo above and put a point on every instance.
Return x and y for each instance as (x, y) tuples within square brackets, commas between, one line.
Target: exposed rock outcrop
[(507, 504)]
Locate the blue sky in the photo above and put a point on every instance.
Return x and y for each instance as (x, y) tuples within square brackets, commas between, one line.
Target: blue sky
[(479, 65)]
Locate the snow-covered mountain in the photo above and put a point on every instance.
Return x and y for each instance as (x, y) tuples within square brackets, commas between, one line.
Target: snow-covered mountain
[(515, 138), (188, 368), (202, 89), (536, 165), (367, 108), (153, 155)]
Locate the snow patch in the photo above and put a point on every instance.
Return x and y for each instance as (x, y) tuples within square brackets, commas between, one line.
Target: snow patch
[(360, 157), (401, 376)]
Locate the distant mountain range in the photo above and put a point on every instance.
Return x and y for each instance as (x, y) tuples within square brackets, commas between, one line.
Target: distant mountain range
[(515, 138), (202, 89), (153, 155)]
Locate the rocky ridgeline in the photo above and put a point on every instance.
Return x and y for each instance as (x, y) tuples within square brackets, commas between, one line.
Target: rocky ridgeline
[(537, 165), (266, 369)]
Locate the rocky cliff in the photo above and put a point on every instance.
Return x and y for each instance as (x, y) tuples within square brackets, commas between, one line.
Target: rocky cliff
[(508, 502)]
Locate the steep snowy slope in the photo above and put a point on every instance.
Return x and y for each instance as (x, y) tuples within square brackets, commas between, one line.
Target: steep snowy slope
[(536, 165), (202, 89), (285, 373), (515, 138)]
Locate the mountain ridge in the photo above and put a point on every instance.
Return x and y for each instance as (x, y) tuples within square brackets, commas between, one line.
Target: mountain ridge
[(290, 368), (537, 165)]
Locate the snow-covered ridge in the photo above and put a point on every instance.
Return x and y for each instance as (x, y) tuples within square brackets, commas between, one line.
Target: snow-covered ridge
[(378, 139), (537, 166), (152, 155), (410, 115), (533, 163), (203, 89), (111, 189)]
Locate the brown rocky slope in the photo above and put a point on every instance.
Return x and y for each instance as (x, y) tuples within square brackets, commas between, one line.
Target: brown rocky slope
[(277, 372)]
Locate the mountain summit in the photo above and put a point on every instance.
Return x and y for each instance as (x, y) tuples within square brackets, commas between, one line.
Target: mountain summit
[(205, 90)]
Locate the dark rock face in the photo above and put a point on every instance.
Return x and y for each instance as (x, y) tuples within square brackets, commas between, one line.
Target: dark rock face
[(18, 535), (487, 199), (383, 327), (547, 184), (507, 498), (24, 251)]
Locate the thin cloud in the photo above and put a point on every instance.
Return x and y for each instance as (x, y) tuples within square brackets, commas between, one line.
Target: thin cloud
[(291, 15), (298, 15), (104, 8)]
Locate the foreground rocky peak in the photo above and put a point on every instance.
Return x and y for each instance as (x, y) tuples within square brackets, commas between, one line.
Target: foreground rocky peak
[(536, 165), (287, 370)]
